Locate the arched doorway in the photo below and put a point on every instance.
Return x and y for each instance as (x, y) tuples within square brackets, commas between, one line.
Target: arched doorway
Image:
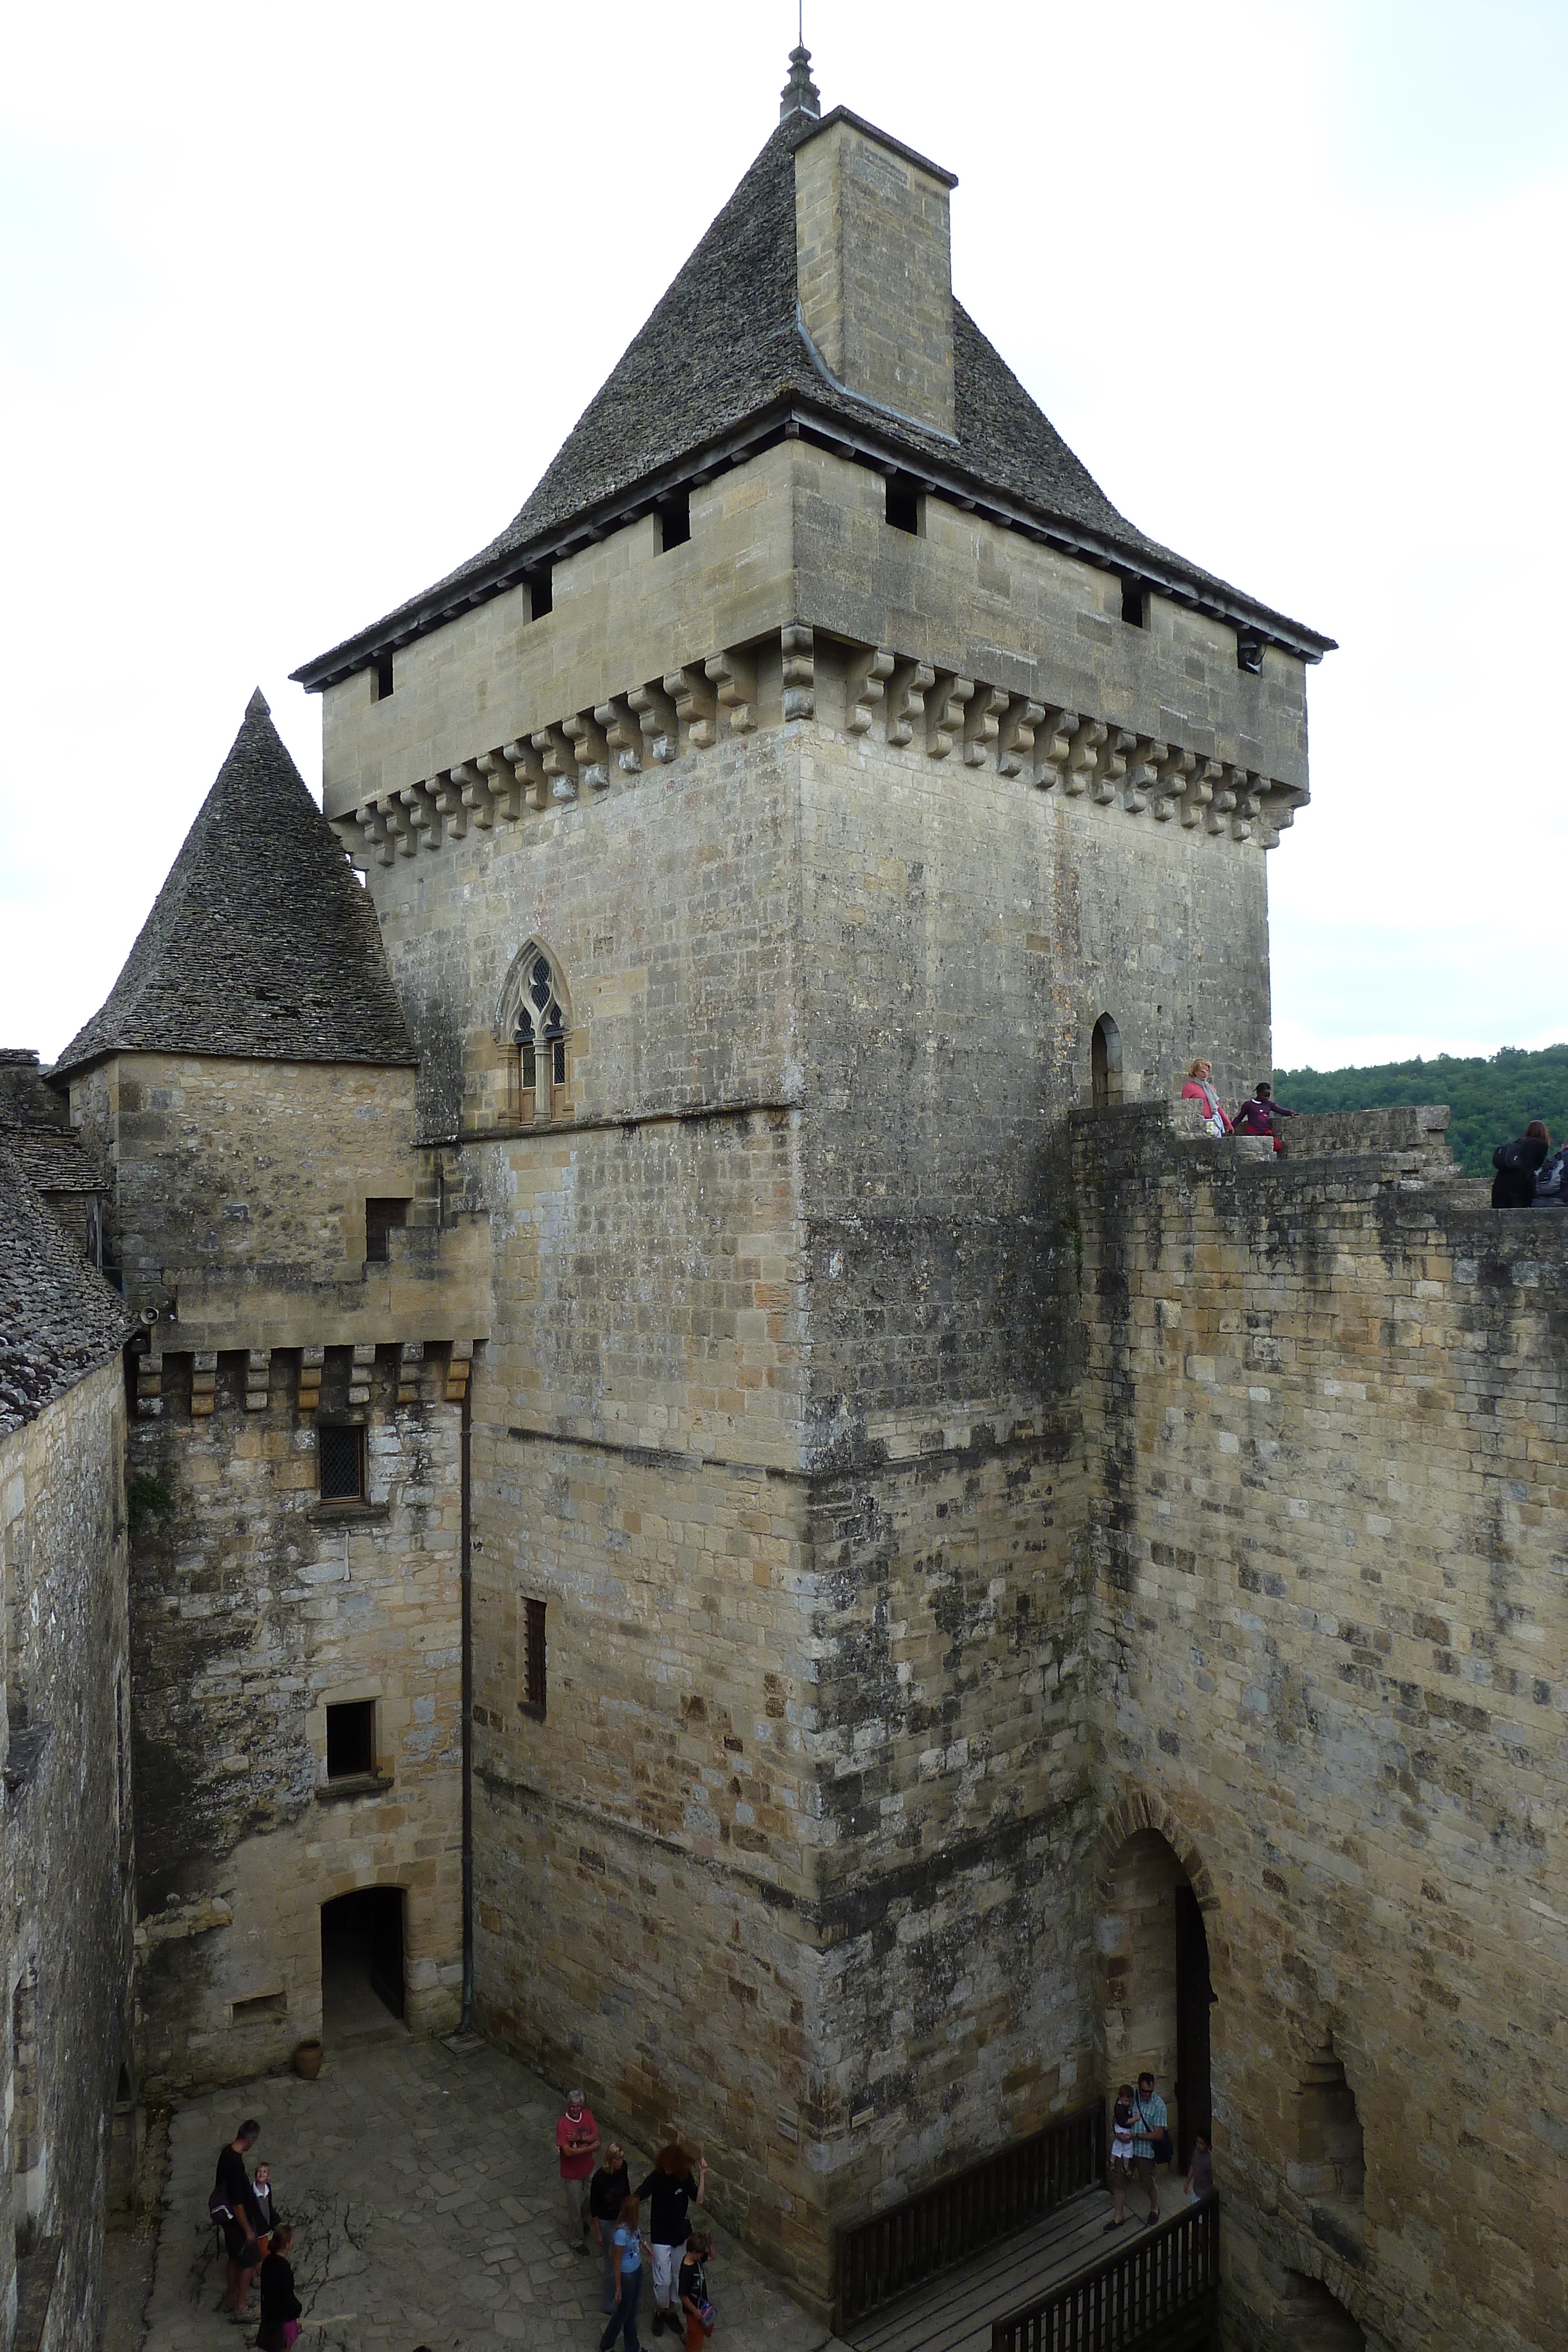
[(1158, 1990), (1105, 1062), (361, 1964)]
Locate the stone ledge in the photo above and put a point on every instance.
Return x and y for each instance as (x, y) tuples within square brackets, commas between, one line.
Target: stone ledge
[(349, 1512), (352, 1785)]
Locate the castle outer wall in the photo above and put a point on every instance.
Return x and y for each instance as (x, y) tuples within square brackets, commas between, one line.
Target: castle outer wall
[(1328, 1398)]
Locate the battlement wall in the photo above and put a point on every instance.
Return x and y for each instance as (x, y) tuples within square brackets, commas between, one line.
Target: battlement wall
[(1326, 1414)]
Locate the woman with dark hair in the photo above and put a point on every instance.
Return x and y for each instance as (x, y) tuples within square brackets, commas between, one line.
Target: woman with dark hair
[(280, 2308), (627, 2246), (674, 2187), (1514, 1186)]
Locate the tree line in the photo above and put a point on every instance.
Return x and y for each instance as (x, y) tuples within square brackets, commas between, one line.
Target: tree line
[(1492, 1097)]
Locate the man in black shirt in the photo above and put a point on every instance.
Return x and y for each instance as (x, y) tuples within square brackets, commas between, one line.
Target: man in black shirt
[(672, 2189), (241, 2229), (608, 2190)]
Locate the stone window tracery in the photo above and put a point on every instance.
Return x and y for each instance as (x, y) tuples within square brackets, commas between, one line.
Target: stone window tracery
[(539, 1035)]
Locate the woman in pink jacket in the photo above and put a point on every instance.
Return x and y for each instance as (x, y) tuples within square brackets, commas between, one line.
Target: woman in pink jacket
[(1199, 1088)]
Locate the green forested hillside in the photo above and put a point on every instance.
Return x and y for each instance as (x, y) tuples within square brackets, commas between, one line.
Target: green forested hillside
[(1491, 1098)]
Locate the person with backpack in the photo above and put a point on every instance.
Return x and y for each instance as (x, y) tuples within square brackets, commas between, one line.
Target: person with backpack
[(1514, 1186), (1552, 1181), (234, 2207)]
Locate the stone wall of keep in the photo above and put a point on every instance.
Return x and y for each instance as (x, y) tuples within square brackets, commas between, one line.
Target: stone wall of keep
[(68, 1865), (255, 1605), (1327, 1400), (963, 932)]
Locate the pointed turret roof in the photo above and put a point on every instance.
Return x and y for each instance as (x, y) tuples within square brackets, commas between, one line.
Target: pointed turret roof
[(723, 364), (261, 943)]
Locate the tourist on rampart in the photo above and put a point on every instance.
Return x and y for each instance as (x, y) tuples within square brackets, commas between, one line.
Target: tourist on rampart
[(233, 2204), (672, 2186), (1199, 1088), (1258, 1112), (1552, 1181), (1514, 1186), (577, 2138), (1123, 2173), (607, 2192), (281, 2310), (696, 2304), (627, 2244), (1151, 2141)]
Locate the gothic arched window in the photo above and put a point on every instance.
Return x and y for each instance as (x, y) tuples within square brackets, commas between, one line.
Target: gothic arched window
[(538, 1031)]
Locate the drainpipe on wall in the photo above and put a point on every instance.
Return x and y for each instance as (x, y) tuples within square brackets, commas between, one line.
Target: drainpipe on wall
[(465, 1572)]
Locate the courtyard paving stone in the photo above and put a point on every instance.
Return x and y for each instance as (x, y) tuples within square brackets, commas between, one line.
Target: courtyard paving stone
[(424, 2190)]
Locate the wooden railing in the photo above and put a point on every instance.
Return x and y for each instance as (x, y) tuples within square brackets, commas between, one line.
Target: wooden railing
[(1162, 2290), (910, 2242)]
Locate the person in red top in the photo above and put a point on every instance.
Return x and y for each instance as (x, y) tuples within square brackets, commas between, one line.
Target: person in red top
[(577, 2138)]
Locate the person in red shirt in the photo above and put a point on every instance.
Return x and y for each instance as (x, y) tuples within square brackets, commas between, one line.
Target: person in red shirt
[(577, 2138)]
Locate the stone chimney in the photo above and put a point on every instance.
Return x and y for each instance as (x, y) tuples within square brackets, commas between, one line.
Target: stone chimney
[(875, 270)]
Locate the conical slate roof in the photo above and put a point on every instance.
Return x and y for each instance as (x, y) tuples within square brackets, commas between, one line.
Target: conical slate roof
[(724, 348), (261, 943)]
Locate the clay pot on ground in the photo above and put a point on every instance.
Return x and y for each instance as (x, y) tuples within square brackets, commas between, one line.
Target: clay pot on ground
[(308, 2060)]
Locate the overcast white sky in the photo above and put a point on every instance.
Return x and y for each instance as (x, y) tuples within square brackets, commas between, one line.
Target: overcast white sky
[(297, 302)]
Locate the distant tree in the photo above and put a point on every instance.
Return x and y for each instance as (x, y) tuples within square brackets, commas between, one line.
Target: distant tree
[(1491, 1098)]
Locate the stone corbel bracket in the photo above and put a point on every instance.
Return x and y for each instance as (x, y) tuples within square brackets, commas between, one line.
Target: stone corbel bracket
[(908, 703)]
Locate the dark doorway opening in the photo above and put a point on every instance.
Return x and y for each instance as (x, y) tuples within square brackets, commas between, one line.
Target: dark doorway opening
[(1194, 1996), (362, 1962)]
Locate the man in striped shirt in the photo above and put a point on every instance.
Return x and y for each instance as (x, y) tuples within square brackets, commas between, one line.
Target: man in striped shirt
[(1148, 2119)]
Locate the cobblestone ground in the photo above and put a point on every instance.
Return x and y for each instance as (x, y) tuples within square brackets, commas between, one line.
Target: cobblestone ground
[(423, 2189)]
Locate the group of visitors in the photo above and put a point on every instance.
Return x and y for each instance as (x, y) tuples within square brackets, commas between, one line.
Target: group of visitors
[(255, 2242), (603, 2210), (1530, 1174), (1256, 1116), (1140, 2143)]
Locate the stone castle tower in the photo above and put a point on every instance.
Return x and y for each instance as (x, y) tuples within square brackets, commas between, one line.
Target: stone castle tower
[(715, 1452)]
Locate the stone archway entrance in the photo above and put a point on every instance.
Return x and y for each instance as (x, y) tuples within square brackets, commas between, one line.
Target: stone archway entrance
[(1158, 1991), (362, 1963)]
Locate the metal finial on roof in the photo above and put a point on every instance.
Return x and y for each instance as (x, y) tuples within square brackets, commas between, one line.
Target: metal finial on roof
[(800, 94)]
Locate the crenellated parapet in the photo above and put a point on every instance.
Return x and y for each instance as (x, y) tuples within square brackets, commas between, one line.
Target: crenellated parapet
[(876, 694)]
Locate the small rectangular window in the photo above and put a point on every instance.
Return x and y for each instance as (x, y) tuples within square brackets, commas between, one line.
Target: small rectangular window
[(534, 1679), (351, 1739), (904, 507), (342, 1460), (541, 591), (1134, 605), (675, 520), (381, 1218), (384, 677)]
